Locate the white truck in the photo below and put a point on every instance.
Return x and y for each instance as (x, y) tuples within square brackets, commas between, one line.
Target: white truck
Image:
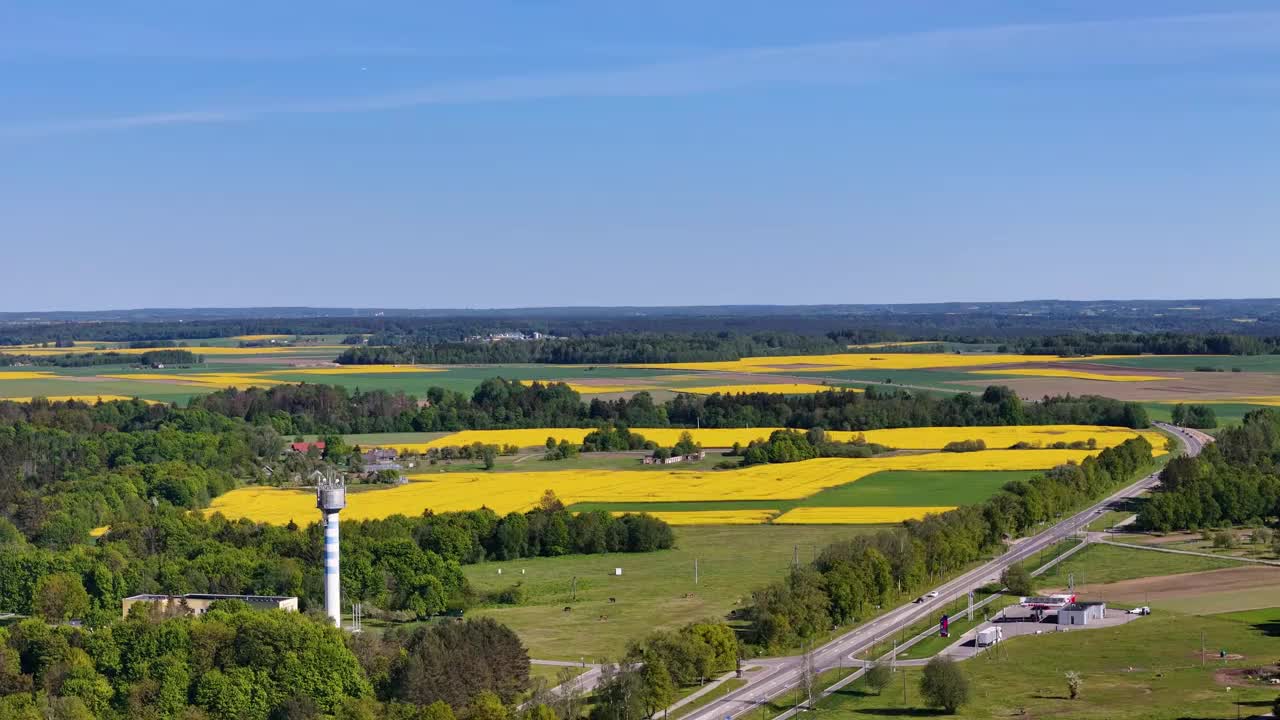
[(989, 636)]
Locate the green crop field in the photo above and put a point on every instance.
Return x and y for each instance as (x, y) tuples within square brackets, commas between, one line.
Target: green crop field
[(1108, 563), (1227, 413), (916, 488), (1265, 620), (656, 590), (892, 488), (1148, 669)]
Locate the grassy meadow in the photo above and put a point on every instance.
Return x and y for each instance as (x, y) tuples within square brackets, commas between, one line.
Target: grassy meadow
[(1150, 668), (655, 590)]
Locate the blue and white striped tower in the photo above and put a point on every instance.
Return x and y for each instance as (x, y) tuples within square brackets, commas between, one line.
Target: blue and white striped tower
[(331, 497)]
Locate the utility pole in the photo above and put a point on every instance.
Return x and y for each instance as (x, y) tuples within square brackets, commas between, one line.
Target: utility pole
[(695, 571), (795, 556), (1201, 648), (904, 688), (573, 588)]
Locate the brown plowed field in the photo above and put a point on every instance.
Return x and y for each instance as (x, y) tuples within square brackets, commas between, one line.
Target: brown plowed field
[(1168, 587)]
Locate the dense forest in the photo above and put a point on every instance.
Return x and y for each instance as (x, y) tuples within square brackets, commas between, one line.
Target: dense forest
[(501, 404), (851, 578), (1232, 482)]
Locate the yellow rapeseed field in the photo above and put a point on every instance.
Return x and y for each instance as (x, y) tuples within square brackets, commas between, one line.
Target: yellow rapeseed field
[(26, 375), (713, 517), (1077, 374), (784, 388), (257, 338), (79, 398), (1003, 436), (865, 361), (506, 492), (207, 380), (929, 438), (856, 515)]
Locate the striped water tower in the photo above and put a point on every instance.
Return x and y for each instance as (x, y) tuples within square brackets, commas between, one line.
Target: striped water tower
[(331, 497)]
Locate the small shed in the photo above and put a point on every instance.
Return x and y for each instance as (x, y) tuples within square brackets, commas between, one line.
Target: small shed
[(1081, 613)]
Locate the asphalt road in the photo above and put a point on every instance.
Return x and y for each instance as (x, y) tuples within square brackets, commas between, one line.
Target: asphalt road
[(781, 674)]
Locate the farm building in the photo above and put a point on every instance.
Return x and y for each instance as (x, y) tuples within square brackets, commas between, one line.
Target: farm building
[(1081, 613), (691, 457), (198, 604), (303, 447), (378, 455)]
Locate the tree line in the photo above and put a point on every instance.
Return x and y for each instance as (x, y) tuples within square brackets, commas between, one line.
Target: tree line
[(502, 404), (1231, 482), (90, 359), (1201, 417), (1155, 343), (851, 578), (785, 446), (602, 349)]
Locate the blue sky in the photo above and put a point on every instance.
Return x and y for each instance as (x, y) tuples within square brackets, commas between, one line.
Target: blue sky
[(606, 153)]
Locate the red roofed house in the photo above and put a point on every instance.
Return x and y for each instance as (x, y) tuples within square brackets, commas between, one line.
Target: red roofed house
[(303, 447)]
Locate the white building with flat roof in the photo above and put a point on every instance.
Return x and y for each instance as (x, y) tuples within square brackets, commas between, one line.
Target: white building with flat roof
[(198, 603)]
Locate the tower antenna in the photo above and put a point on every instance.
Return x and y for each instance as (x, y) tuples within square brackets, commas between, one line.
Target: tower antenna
[(331, 497)]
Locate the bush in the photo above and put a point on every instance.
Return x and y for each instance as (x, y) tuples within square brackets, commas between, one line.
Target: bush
[(513, 595), (878, 677), (1224, 539), (944, 685), (961, 446), (1017, 579)]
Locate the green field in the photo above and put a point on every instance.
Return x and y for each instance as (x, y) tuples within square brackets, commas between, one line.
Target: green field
[(1227, 413), (1148, 669), (656, 590), (935, 379), (890, 488), (1108, 563), (1265, 620), (911, 487)]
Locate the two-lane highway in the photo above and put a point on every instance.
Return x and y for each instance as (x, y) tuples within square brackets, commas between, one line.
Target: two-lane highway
[(781, 674)]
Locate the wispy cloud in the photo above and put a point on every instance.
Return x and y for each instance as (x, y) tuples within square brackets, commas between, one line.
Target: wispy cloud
[(1022, 47)]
